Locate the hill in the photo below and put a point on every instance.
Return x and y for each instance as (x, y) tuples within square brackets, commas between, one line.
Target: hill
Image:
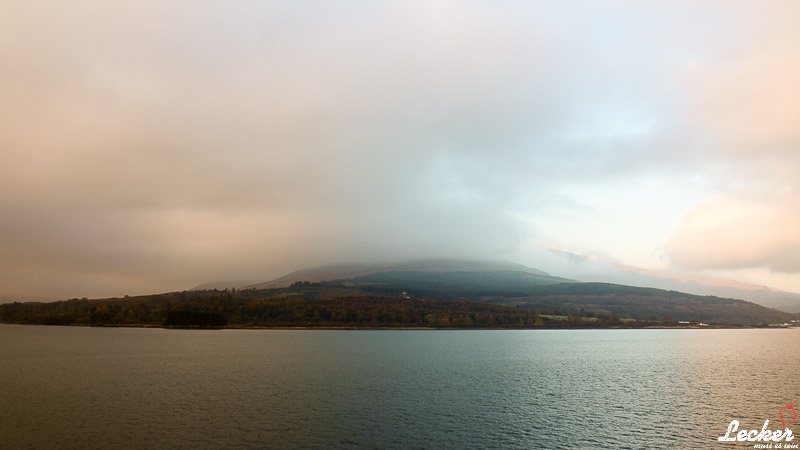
[(511, 284), (351, 271), (430, 293), (551, 295), (583, 267), (762, 295), (298, 306), (646, 303)]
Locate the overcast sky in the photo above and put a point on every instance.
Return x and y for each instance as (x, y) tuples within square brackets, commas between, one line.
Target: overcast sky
[(150, 146)]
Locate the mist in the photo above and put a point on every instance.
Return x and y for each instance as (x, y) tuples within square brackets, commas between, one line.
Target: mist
[(151, 147)]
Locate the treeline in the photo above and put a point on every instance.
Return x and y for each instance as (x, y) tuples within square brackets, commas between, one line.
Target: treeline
[(303, 307)]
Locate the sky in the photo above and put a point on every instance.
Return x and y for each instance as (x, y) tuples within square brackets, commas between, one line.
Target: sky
[(150, 146)]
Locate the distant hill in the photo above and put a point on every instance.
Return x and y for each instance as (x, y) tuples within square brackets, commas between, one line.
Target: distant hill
[(507, 283), (350, 271), (554, 295), (222, 285), (599, 269), (460, 284), (646, 303), (427, 293), (329, 304), (762, 295), (785, 301)]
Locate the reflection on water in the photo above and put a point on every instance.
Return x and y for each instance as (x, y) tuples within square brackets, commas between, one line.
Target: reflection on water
[(152, 388)]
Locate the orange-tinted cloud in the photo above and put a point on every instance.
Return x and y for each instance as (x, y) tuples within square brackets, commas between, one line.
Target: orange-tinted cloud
[(738, 234)]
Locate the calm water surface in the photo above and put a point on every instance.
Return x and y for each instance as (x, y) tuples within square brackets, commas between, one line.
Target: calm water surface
[(71, 387)]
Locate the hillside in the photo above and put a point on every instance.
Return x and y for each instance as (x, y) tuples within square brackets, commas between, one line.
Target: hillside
[(298, 306), (329, 304), (350, 271), (646, 303), (431, 293), (453, 285), (542, 294), (582, 267)]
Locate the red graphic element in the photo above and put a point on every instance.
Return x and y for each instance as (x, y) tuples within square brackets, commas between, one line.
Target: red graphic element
[(786, 423)]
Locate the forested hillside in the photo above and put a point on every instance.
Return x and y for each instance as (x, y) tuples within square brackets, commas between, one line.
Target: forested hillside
[(303, 305), (335, 305)]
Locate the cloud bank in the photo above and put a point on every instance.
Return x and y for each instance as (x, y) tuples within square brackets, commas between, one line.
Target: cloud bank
[(150, 146)]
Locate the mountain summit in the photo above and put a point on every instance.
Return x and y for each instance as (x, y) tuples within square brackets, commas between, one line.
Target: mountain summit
[(441, 265)]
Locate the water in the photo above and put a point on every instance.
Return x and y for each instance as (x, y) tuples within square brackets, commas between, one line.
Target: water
[(70, 387)]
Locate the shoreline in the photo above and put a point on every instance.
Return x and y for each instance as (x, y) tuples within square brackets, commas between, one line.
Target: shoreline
[(406, 328)]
